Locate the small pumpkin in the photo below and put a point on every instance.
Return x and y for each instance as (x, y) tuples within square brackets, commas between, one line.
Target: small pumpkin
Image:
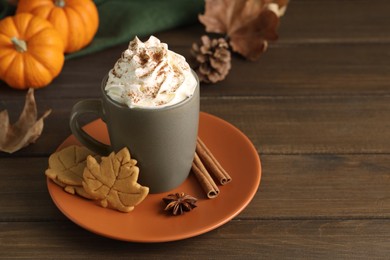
[(31, 51), (76, 20)]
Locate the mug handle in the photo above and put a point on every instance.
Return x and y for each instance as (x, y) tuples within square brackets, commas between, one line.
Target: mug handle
[(83, 107)]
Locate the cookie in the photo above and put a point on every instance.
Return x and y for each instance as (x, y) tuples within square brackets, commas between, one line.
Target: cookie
[(66, 168), (113, 181)]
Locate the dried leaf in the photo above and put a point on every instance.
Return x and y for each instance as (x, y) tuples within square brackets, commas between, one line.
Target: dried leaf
[(113, 182), (25, 131), (66, 168), (250, 24)]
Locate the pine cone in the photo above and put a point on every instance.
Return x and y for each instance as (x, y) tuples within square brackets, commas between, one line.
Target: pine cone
[(212, 59)]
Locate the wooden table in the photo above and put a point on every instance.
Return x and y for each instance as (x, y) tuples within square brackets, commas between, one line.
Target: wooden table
[(317, 108)]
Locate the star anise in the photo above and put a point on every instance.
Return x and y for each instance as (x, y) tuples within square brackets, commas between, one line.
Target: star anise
[(178, 203)]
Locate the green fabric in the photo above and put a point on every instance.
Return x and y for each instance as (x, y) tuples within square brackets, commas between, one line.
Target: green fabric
[(122, 20)]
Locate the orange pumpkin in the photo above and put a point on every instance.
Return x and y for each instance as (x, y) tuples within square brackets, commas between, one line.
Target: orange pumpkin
[(31, 51), (76, 20)]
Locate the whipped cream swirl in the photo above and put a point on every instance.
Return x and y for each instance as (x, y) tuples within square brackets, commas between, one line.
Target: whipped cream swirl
[(149, 75)]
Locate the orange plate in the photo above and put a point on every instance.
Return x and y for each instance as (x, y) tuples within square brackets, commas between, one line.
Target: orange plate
[(148, 222)]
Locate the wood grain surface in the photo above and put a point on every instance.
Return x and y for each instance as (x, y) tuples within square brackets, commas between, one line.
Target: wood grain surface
[(317, 108)]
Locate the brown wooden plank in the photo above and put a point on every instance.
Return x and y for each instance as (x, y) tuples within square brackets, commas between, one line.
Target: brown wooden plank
[(79, 77), (316, 21), (24, 192), (296, 125), (341, 21), (322, 239), (292, 187), (326, 186), (316, 106), (321, 50), (342, 69), (322, 69), (276, 125)]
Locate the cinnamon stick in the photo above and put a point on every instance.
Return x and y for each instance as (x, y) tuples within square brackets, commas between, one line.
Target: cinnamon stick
[(211, 163), (207, 183)]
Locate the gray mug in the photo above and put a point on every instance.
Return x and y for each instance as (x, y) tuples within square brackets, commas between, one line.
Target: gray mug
[(162, 140)]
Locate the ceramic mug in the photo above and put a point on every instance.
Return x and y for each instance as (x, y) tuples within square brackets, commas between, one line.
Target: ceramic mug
[(162, 140)]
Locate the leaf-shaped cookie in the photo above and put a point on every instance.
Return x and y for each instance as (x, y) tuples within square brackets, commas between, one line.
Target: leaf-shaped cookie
[(67, 165), (72, 189), (113, 182), (66, 169)]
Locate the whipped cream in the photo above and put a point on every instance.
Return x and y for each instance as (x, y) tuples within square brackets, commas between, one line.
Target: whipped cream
[(149, 75)]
